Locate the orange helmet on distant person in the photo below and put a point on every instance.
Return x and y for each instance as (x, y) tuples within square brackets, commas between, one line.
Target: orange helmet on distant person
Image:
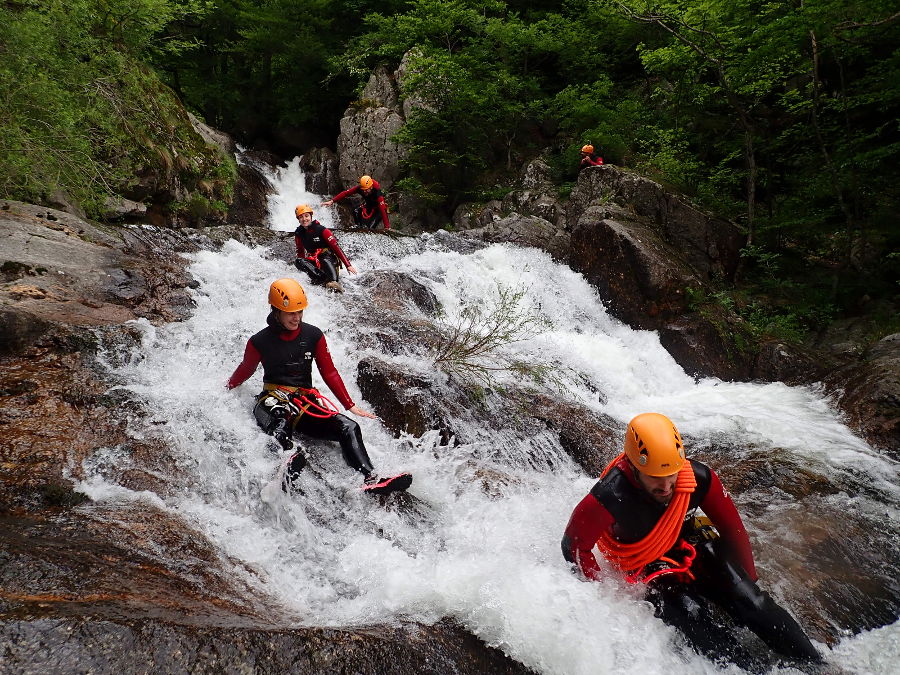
[(653, 445), (587, 148), (366, 182), (302, 208), (287, 295)]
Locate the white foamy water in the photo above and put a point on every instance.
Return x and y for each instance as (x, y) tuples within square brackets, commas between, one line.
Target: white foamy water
[(491, 560)]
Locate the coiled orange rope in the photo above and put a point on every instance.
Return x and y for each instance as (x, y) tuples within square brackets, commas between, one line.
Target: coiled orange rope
[(662, 537)]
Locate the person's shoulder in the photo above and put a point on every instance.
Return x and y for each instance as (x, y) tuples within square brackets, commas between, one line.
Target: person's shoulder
[(313, 333), (260, 334), (702, 473), (612, 485)]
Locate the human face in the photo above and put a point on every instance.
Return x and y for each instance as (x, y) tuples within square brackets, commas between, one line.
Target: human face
[(290, 320), (305, 219), (661, 488)]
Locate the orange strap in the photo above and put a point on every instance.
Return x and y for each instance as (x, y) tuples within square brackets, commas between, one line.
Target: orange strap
[(664, 534)]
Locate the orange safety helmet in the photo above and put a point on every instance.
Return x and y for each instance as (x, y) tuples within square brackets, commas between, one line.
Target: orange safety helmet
[(287, 295), (587, 148), (366, 182), (302, 208), (653, 445)]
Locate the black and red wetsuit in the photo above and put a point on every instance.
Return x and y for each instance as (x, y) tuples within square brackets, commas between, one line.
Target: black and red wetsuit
[(592, 159), (619, 505), (372, 208), (724, 570), (316, 237), (287, 358)]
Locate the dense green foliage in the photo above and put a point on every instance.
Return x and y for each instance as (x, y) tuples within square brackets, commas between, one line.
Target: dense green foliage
[(262, 66), (84, 118)]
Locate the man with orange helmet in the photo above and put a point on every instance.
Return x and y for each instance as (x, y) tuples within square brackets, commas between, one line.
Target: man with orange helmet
[(288, 403), (373, 208), (641, 516), (589, 157), (318, 251)]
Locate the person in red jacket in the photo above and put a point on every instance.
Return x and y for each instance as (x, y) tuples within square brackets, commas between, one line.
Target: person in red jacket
[(318, 251), (289, 404), (589, 157), (372, 210), (641, 516)]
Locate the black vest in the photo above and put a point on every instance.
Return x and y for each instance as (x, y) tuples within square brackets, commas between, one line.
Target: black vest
[(287, 362), (312, 236), (371, 199), (632, 507)]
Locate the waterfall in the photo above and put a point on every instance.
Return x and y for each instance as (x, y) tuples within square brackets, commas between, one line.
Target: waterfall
[(490, 559)]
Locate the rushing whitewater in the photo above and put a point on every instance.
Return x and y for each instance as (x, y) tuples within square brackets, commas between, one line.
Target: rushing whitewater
[(489, 559)]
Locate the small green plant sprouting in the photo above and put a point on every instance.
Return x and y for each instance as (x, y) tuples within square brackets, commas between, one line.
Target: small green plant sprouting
[(470, 346)]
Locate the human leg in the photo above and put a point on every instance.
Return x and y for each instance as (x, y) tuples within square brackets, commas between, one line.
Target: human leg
[(679, 605), (752, 607), (316, 276), (274, 413), (344, 430), (328, 270)]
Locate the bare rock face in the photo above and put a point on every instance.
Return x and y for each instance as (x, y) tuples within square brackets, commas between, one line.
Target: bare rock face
[(641, 277), (711, 246), (364, 145), (63, 269), (469, 216), (869, 392), (127, 645), (531, 231), (393, 290), (320, 167), (413, 403), (537, 195), (250, 205)]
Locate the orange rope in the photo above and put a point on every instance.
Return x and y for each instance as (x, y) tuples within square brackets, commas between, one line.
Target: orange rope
[(663, 535)]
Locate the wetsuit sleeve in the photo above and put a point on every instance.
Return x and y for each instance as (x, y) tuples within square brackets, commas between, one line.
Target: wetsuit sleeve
[(330, 374), (331, 240), (382, 206), (588, 521), (346, 193), (724, 515), (301, 249), (246, 368)]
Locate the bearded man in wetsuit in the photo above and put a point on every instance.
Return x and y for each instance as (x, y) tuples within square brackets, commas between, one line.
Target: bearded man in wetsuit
[(372, 210), (318, 251), (288, 403), (641, 516)]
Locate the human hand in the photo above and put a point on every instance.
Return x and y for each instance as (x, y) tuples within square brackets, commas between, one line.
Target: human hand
[(356, 410), (328, 202), (351, 269)]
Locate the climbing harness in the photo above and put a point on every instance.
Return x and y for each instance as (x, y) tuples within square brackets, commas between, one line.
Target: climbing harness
[(308, 401), (314, 259), (641, 560)]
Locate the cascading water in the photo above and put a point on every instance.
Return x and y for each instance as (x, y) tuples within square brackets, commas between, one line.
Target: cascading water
[(488, 558)]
